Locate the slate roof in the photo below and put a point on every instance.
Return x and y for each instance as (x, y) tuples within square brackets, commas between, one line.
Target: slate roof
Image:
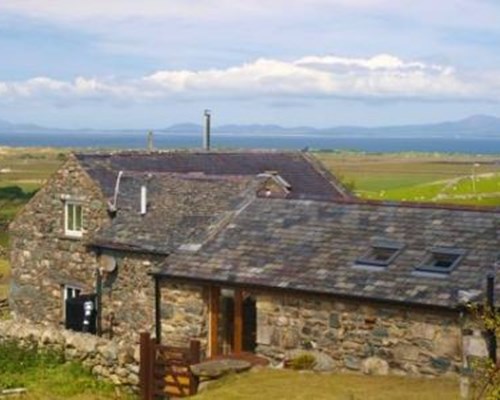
[(313, 246), (309, 180), (182, 209)]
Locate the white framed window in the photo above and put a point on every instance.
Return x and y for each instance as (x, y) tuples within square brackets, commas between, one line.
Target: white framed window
[(69, 292), (73, 219)]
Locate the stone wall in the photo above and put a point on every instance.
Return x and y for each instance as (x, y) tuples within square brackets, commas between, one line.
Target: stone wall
[(128, 296), (357, 336), (115, 361), (43, 258), (184, 313)]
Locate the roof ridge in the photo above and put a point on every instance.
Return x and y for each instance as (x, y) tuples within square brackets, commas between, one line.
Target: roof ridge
[(184, 151), (402, 204)]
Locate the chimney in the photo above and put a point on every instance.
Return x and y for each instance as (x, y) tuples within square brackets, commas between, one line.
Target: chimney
[(206, 135), (143, 200), (150, 141)]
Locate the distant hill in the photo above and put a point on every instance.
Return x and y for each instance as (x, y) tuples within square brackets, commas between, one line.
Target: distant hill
[(475, 126)]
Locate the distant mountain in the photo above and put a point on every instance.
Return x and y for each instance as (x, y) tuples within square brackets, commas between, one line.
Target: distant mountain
[(182, 128), (256, 129), (475, 126)]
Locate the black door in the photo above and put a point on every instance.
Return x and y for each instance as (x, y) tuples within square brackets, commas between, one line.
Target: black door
[(76, 317)]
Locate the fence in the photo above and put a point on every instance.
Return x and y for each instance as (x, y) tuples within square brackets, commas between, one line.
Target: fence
[(164, 370)]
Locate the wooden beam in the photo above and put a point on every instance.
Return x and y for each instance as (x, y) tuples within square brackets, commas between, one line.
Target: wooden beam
[(214, 306), (194, 358), (145, 367), (238, 321)]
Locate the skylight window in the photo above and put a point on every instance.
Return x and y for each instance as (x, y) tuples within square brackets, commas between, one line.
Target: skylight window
[(441, 260), (380, 254)]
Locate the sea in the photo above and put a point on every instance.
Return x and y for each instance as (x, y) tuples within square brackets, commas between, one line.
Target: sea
[(129, 140)]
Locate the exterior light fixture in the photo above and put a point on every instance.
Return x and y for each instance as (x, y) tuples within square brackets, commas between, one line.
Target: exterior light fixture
[(88, 307)]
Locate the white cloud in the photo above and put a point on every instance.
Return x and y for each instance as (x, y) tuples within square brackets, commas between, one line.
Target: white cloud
[(380, 77)]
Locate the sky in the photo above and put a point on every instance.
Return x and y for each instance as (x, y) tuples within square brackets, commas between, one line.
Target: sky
[(154, 63)]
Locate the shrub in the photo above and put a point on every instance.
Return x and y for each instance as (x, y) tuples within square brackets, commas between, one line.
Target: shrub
[(14, 192)]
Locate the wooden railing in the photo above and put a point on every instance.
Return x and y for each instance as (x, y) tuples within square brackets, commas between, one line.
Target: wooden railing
[(164, 370)]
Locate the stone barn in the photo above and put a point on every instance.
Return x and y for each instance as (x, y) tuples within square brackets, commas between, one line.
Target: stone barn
[(260, 252)]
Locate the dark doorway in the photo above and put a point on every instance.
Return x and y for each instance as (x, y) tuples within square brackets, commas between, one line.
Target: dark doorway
[(76, 318), (249, 324)]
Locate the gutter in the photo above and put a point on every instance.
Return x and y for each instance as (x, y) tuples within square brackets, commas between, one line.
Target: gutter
[(161, 275), (126, 247)]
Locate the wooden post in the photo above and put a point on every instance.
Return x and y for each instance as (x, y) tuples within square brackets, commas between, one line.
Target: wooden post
[(214, 320), (238, 321), (146, 367), (194, 351), (194, 356)]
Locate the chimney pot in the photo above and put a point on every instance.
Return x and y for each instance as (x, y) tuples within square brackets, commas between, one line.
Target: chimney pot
[(206, 136)]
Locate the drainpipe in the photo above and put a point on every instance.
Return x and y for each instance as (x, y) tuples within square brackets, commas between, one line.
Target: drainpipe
[(157, 309), (98, 290), (490, 311)]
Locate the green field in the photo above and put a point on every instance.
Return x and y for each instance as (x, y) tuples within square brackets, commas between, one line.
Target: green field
[(24, 170), (456, 179)]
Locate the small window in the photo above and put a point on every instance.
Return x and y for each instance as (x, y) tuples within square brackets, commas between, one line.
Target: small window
[(441, 260), (69, 292), (381, 254), (73, 219)]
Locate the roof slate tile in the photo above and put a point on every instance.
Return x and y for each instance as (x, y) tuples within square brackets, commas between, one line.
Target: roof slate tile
[(317, 251)]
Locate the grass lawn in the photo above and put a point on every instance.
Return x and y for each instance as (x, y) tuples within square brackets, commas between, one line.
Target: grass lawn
[(293, 385)]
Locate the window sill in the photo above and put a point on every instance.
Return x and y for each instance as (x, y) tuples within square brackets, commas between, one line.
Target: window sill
[(69, 236)]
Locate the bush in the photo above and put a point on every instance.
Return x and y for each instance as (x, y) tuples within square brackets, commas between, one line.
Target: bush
[(14, 193), (303, 361)]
